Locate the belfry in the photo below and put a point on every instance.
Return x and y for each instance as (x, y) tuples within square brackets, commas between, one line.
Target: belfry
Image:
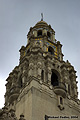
[(43, 83)]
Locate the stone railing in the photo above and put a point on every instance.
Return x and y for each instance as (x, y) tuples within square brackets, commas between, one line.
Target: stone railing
[(60, 89), (60, 84)]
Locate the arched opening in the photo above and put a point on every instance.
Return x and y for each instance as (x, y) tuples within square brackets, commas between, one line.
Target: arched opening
[(51, 51), (69, 89), (42, 75), (54, 79), (20, 82), (61, 100), (48, 34), (28, 51), (39, 33)]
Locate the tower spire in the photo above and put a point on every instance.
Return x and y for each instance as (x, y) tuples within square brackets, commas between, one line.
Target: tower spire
[(41, 16)]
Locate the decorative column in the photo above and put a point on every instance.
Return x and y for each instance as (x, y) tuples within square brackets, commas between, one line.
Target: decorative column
[(49, 71), (39, 66), (53, 37), (24, 73), (60, 55), (65, 78), (44, 32), (73, 83), (35, 33), (49, 75), (31, 68), (64, 74), (75, 87)]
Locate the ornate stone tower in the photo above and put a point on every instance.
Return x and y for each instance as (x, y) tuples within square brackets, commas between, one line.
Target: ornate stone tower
[(43, 83)]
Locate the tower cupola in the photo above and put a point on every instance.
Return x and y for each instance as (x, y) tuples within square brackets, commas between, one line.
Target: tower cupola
[(42, 29)]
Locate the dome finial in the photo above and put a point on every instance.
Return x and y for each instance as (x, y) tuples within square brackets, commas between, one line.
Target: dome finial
[(41, 16)]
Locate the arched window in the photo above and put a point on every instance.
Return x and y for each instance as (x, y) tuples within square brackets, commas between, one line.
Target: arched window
[(48, 34), (51, 51), (28, 51), (39, 33), (69, 88), (21, 84), (54, 79), (61, 100), (42, 75), (20, 81)]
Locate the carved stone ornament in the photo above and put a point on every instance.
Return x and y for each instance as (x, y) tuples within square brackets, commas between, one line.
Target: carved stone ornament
[(6, 114)]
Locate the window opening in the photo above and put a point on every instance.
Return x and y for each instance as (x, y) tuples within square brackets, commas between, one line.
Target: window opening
[(51, 51), (28, 51), (69, 89), (54, 79), (39, 33), (61, 100), (53, 64), (48, 34), (20, 82), (42, 75)]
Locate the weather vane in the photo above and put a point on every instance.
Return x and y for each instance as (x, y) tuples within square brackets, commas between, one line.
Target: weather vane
[(41, 16)]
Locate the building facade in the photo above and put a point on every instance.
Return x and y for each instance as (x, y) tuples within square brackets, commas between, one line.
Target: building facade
[(43, 83)]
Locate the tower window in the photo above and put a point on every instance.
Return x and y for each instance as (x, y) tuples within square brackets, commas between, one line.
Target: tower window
[(20, 81), (48, 34), (51, 51), (69, 89), (54, 79), (61, 100), (28, 51), (42, 75), (39, 33)]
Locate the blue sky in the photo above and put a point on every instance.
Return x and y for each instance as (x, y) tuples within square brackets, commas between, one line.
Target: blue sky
[(17, 16)]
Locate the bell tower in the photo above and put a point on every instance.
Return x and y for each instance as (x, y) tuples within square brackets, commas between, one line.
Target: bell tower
[(43, 83)]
